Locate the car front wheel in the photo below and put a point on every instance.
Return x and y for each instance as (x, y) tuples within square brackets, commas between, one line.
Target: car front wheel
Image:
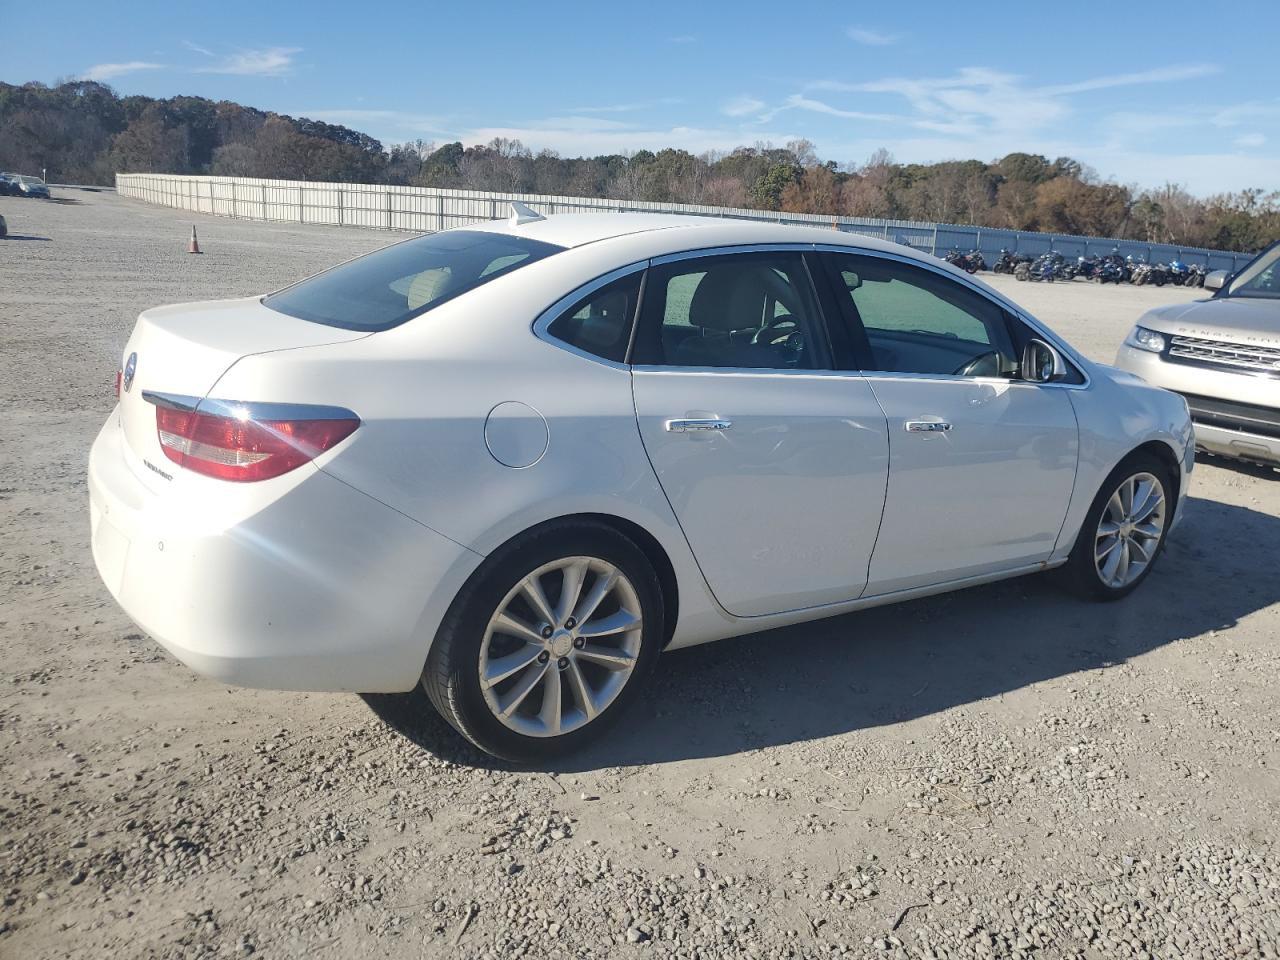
[(1124, 532), (548, 642)]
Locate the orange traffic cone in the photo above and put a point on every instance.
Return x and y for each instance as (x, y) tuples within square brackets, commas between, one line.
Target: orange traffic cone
[(194, 245)]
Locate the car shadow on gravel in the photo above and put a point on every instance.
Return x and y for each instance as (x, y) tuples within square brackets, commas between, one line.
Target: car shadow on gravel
[(892, 664), (23, 236)]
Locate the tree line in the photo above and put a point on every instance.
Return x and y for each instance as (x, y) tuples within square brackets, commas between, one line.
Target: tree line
[(83, 132)]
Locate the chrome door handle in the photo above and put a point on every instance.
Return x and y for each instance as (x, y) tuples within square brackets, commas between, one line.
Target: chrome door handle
[(927, 426), (695, 426)]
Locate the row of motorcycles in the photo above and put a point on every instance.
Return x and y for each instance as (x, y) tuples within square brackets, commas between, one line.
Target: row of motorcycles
[(1110, 268)]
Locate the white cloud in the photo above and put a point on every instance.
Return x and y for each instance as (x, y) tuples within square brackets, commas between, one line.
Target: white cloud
[(871, 38), (109, 71), (742, 106), (198, 49), (383, 124), (1250, 140), (629, 107), (267, 62), (1189, 71), (1234, 116)]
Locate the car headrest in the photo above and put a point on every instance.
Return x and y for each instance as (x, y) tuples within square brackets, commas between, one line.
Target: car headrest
[(729, 297)]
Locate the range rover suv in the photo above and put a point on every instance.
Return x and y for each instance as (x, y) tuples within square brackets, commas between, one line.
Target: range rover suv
[(1223, 355)]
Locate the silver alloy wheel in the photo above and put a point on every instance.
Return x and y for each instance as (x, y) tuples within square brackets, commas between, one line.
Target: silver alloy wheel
[(1130, 529), (549, 668)]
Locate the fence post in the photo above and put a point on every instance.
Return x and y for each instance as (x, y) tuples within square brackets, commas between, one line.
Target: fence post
[(235, 212), (301, 203), (440, 210), (388, 209), (339, 204)]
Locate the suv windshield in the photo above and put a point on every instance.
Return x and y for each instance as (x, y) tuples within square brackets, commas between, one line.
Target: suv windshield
[(1261, 278), (387, 287)]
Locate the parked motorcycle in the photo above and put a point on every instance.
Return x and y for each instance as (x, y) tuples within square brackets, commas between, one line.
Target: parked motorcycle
[(970, 262), (1178, 272), (1195, 275), (1008, 261)]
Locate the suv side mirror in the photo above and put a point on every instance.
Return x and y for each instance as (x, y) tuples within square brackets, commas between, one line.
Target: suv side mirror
[(1041, 363), (1215, 280)]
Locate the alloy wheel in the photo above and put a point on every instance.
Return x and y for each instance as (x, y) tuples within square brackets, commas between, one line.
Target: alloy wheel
[(548, 667), (1129, 530)]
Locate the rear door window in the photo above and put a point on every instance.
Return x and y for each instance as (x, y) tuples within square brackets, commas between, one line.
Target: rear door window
[(387, 287)]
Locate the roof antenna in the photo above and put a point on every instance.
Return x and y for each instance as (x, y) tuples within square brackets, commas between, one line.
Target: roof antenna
[(520, 213)]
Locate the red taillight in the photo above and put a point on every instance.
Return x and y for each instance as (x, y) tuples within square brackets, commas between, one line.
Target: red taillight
[(232, 448)]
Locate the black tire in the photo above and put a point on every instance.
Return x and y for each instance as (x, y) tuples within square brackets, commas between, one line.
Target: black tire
[(1080, 572), (451, 678)]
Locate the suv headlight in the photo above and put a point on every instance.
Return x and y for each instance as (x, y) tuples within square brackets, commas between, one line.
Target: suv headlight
[(1145, 339)]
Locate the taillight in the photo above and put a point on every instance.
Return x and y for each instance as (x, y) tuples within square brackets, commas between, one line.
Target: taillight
[(243, 445)]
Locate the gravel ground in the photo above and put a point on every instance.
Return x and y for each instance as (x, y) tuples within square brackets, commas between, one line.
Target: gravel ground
[(1003, 772)]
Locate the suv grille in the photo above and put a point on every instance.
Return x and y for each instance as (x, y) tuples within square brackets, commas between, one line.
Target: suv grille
[(1217, 353)]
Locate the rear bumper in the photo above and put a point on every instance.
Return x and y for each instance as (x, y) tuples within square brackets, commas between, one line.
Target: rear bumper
[(302, 585)]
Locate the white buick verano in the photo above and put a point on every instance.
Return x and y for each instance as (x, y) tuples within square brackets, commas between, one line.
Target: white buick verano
[(515, 461)]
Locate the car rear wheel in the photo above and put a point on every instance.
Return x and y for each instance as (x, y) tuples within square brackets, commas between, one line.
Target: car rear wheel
[(1124, 532), (548, 642)]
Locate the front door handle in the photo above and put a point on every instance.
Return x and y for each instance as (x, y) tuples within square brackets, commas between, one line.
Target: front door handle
[(927, 426), (697, 426)]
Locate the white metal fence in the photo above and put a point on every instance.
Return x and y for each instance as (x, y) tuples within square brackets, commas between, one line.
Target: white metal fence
[(425, 209)]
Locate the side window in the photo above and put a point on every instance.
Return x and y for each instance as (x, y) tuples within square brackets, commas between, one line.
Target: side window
[(917, 321), (753, 311), (600, 323)]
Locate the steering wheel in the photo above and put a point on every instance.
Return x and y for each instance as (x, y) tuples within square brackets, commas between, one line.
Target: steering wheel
[(983, 365), (777, 331)]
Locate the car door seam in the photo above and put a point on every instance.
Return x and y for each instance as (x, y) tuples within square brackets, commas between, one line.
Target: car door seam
[(888, 479)]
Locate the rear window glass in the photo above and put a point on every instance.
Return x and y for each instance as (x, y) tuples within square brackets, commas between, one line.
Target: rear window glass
[(395, 284)]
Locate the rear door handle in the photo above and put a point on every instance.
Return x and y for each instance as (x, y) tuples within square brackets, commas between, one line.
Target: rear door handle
[(698, 426), (927, 426)]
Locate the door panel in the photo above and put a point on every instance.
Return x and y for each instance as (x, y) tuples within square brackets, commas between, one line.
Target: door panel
[(781, 508), (988, 492)]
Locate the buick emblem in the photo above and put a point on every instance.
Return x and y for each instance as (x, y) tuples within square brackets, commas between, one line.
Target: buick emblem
[(130, 368)]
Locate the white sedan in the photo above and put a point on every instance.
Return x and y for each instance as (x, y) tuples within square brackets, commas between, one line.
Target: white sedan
[(514, 461)]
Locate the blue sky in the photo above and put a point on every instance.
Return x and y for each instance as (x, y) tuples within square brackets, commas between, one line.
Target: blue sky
[(1175, 92)]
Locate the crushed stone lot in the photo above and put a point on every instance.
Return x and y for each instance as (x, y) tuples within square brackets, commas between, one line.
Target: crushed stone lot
[(1002, 772)]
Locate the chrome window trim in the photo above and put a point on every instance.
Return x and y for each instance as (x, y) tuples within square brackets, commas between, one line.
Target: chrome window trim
[(994, 297), (250, 410), (548, 316), (720, 251), (825, 373)]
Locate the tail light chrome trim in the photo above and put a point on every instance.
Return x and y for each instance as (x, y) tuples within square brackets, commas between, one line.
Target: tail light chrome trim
[(247, 410)]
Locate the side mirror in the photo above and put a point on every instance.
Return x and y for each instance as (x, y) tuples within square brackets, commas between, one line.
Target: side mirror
[(1041, 363), (1215, 280)]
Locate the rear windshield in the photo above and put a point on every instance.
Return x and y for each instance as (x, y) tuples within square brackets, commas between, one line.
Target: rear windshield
[(395, 284)]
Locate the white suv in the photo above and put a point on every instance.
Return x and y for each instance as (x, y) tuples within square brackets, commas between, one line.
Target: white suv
[(1223, 355)]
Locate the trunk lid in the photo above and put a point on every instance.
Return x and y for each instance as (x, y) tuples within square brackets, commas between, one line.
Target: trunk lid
[(185, 348)]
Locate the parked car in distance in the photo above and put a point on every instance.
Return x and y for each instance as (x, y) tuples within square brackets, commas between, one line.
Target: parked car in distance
[(515, 461), (8, 184), (1223, 355), (32, 187)]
